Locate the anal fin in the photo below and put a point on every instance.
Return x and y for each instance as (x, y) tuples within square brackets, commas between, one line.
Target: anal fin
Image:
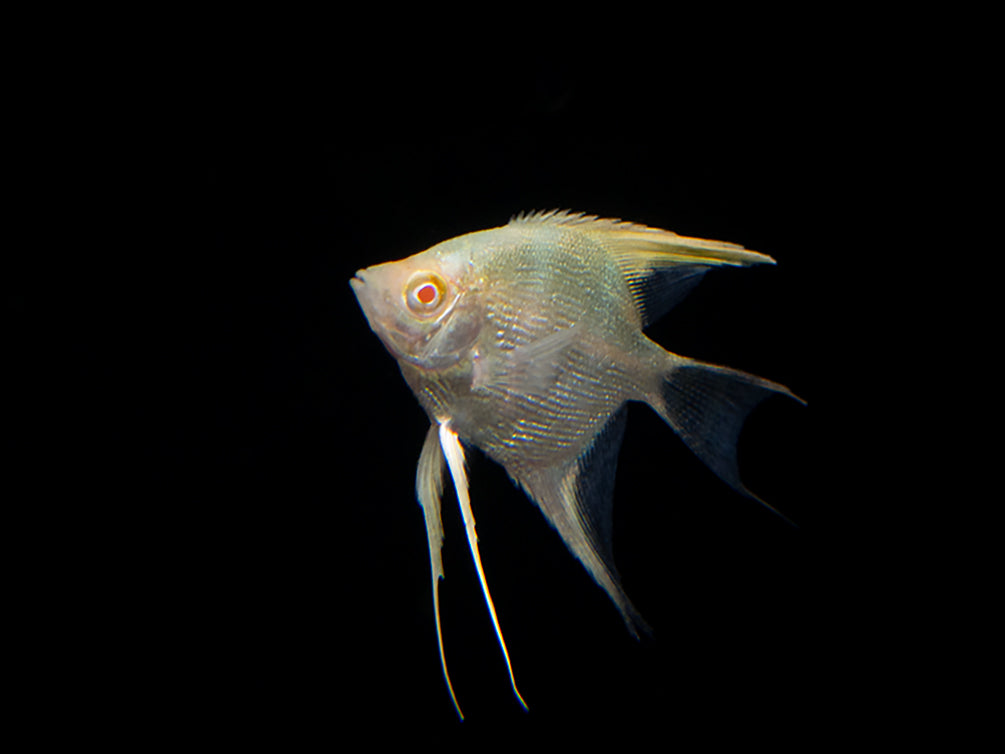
[(577, 499)]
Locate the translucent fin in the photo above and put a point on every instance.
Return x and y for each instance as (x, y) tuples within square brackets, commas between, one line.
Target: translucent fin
[(577, 500), (656, 290), (660, 267), (530, 369), (454, 453), (429, 489), (706, 405)]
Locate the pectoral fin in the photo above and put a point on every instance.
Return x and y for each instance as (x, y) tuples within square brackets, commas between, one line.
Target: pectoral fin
[(529, 369), (454, 453), (429, 489)]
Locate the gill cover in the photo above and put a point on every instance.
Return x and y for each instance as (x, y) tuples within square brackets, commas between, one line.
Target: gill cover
[(454, 319)]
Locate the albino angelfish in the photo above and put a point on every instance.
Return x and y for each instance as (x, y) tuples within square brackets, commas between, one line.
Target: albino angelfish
[(526, 341)]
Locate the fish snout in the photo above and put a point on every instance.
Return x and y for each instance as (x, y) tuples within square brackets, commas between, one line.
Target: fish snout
[(363, 290), (372, 299)]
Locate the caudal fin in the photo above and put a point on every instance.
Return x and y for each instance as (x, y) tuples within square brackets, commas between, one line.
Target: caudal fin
[(706, 405)]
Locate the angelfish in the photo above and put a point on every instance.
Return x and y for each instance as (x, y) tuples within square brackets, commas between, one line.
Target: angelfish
[(526, 341)]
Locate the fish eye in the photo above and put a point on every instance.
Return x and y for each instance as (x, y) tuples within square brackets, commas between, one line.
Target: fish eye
[(425, 292)]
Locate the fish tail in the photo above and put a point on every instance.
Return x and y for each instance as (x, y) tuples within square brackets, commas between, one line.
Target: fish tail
[(707, 405)]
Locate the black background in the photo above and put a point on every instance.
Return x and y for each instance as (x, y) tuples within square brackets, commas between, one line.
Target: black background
[(231, 455)]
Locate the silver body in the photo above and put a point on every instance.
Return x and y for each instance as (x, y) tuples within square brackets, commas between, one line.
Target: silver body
[(526, 341)]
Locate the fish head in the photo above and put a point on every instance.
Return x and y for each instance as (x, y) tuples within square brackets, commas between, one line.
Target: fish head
[(425, 309)]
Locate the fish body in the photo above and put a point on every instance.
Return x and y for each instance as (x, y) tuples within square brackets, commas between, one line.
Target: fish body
[(526, 341)]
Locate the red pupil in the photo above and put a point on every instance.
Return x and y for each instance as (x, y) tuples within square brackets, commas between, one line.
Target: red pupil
[(426, 293)]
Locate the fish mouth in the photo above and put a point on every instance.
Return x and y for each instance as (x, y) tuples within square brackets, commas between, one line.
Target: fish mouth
[(379, 317), (368, 298), (364, 295), (363, 292)]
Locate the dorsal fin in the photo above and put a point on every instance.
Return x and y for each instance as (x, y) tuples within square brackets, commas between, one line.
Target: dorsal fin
[(659, 266), (568, 217)]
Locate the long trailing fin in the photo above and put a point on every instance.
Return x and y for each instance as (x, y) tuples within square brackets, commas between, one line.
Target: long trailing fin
[(454, 454), (429, 490), (707, 405), (659, 266)]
